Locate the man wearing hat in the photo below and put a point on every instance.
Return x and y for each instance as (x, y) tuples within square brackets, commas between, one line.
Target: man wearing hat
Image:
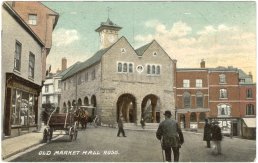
[(171, 136), (216, 136)]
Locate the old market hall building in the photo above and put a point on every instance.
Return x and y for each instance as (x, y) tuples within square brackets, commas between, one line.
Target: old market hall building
[(119, 80)]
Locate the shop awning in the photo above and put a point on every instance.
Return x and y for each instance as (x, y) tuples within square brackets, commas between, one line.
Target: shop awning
[(250, 122)]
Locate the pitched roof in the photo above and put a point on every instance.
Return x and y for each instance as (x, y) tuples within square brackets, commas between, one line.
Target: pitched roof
[(17, 17), (108, 24), (63, 73), (142, 49), (89, 62)]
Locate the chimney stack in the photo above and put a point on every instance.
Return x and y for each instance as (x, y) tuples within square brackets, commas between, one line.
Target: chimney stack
[(64, 64), (202, 63)]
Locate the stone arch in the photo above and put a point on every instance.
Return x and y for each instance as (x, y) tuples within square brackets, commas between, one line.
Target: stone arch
[(64, 107), (93, 101), (202, 117), (126, 108), (150, 108), (86, 101), (79, 102), (182, 121), (69, 104)]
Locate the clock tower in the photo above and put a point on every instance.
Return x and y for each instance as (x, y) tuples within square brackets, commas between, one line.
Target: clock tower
[(108, 33)]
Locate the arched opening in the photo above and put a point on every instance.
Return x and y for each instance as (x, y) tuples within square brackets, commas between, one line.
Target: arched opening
[(73, 105), (202, 117), (182, 121), (69, 105), (79, 102), (150, 109), (86, 101), (193, 121), (126, 108), (93, 102), (64, 108)]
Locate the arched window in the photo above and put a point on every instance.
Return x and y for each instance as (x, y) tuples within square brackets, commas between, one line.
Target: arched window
[(158, 70), (250, 109), (224, 110), (125, 67), (199, 100), (193, 117), (86, 101), (130, 67), (148, 69), (119, 67), (153, 69), (79, 102), (187, 100), (202, 117)]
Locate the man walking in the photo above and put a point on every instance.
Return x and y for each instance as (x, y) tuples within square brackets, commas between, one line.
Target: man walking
[(207, 133), (120, 127), (171, 136), (216, 136)]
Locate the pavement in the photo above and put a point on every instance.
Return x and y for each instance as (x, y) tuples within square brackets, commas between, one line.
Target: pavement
[(15, 145)]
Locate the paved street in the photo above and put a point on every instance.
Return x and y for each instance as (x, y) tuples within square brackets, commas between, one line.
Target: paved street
[(137, 146)]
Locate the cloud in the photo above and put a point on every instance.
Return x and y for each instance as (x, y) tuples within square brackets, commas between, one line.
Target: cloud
[(220, 45), (64, 37)]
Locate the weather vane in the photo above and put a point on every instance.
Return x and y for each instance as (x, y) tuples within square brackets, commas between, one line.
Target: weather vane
[(108, 10)]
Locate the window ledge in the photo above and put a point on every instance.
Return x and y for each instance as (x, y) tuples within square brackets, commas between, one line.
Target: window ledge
[(223, 98), (249, 98), (223, 83), (31, 78), (17, 71)]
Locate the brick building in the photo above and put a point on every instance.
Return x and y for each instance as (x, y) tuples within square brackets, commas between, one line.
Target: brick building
[(119, 80), (224, 94), (23, 64)]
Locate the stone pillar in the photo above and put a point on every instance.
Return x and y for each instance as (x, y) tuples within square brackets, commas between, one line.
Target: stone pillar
[(154, 112), (138, 113)]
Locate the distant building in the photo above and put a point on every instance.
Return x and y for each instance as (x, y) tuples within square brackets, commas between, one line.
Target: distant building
[(224, 94), (119, 80), (24, 54)]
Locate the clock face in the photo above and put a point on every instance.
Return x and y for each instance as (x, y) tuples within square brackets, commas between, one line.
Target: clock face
[(111, 38)]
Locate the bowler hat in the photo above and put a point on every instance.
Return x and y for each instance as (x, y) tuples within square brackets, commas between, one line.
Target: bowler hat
[(167, 112)]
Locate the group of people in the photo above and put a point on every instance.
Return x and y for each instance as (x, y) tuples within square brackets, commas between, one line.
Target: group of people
[(212, 132), (171, 137)]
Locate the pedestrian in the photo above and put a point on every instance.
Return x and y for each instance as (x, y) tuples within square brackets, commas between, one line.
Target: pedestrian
[(120, 127), (207, 133), (142, 123), (216, 137), (171, 136)]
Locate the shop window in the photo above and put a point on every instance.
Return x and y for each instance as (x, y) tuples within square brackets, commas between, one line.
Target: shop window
[(17, 57), (250, 109), (23, 112)]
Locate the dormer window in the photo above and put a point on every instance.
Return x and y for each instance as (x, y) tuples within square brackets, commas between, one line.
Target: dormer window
[(32, 19)]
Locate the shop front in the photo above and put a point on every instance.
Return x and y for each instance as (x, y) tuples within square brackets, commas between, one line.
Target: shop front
[(21, 105)]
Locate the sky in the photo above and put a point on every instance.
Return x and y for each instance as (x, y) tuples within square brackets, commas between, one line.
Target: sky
[(222, 33)]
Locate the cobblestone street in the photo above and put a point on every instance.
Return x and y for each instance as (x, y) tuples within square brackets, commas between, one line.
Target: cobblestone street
[(137, 146)]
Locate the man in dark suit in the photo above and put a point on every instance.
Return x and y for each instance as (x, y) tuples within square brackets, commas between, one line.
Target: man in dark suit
[(171, 136), (120, 127)]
